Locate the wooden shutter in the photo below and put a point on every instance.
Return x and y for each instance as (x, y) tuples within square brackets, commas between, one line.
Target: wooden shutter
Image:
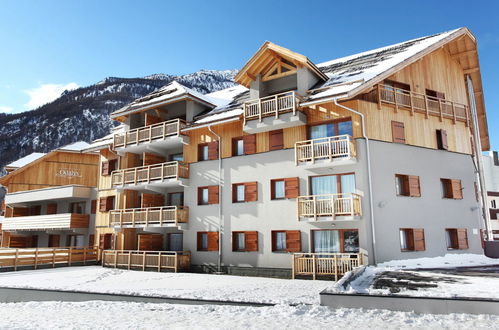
[(293, 240), (54, 240), (462, 238), (419, 242), (150, 119), (291, 187), (102, 204), (151, 159), (276, 140), (414, 189), (212, 241), (105, 168), (150, 242), (152, 200), (52, 208), (457, 192), (102, 241), (91, 240), (110, 203), (440, 95), (93, 206), (234, 241), (249, 144), (213, 150), (213, 194), (251, 191), (398, 132), (251, 241), (35, 210)]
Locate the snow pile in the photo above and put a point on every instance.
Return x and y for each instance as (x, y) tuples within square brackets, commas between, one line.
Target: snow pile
[(449, 260)]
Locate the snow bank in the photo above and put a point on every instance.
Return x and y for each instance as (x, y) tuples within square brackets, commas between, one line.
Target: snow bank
[(447, 261)]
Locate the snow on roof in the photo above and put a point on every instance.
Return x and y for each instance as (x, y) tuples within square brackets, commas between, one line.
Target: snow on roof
[(25, 160), (223, 97), (220, 116), (168, 92), (104, 141), (77, 146)]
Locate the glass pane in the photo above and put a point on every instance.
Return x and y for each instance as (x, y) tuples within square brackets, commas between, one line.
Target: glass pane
[(177, 158), (176, 242), (279, 189), (319, 131), (345, 127), (280, 241), (326, 241), (240, 193), (205, 152), (240, 241), (177, 199), (204, 241), (324, 185), (240, 147), (348, 183), (351, 241), (403, 239), (205, 196)]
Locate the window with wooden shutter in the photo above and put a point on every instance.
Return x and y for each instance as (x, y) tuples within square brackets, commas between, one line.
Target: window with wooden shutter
[(251, 241), (213, 193), (292, 187), (203, 151), (286, 241), (93, 206), (106, 203), (398, 132), (407, 185), (442, 139), (277, 189), (251, 191), (249, 142), (213, 150), (414, 188), (462, 238), (457, 189), (237, 146), (105, 168), (52, 208), (412, 239), (276, 140), (419, 242)]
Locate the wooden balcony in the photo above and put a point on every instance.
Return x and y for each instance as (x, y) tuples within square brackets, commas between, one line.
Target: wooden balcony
[(329, 149), (163, 174), (325, 264), (329, 205), (46, 222), (150, 217), (147, 260), (148, 134), (421, 103)]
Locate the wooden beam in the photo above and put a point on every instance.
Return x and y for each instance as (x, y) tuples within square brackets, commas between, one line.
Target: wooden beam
[(471, 70), (467, 52), (250, 76)]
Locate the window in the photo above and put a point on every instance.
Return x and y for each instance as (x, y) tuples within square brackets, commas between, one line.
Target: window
[(52, 208), (75, 240), (207, 241), (244, 241), (338, 127), (398, 132), (203, 152), (208, 151), (35, 210), (108, 166), (176, 199), (238, 146), (77, 207), (106, 241), (177, 157), (435, 94), (208, 195), (456, 238), (286, 241), (451, 188), (442, 139), (245, 192), (493, 204), (276, 140), (106, 203), (175, 242), (335, 241), (93, 206), (284, 188), (412, 239), (397, 86), (332, 184), (407, 185)]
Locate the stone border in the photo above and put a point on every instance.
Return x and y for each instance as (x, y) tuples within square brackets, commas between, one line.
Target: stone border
[(404, 303)]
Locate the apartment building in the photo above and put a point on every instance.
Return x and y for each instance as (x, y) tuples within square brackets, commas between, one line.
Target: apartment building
[(491, 174), (51, 199), (373, 154)]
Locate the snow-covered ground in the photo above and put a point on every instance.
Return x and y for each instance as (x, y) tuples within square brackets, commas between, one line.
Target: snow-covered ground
[(120, 315), (179, 285), (446, 285)]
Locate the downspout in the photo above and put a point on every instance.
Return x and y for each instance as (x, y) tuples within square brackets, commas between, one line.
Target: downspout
[(478, 157), (369, 178), (220, 222), (116, 200)]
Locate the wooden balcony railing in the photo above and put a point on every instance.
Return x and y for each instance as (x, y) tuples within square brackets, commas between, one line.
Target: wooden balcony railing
[(34, 257), (149, 133), (329, 205), (150, 216), (154, 260), (334, 147), (46, 221), (421, 103), (270, 106), (150, 173), (325, 264)]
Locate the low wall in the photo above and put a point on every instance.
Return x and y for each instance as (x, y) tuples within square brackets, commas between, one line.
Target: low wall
[(424, 305)]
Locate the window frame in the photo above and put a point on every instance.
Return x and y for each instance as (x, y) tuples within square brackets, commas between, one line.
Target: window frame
[(273, 189), (201, 152), (201, 195), (341, 235), (235, 146)]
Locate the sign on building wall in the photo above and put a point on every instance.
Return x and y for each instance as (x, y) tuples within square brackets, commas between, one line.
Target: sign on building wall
[(68, 173)]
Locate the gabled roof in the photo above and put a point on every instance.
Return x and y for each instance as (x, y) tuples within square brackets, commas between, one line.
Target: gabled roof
[(173, 92), (266, 56), (24, 160)]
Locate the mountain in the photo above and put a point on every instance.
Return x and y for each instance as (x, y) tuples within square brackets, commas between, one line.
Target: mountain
[(83, 114)]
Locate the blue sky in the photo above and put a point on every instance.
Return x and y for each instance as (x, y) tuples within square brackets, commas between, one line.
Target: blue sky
[(47, 46)]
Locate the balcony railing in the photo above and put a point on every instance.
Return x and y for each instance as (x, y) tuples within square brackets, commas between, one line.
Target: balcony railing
[(329, 205), (149, 133), (149, 216), (153, 260), (150, 173), (48, 221), (270, 106), (325, 264), (422, 103), (328, 148)]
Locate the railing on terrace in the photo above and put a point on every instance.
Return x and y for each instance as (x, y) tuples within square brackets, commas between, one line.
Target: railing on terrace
[(150, 216), (34, 257), (334, 147), (329, 205), (325, 264), (47, 221), (157, 260), (270, 106), (150, 173), (421, 103), (149, 133)]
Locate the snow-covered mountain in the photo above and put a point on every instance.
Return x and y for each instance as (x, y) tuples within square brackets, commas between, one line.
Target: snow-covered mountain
[(83, 114)]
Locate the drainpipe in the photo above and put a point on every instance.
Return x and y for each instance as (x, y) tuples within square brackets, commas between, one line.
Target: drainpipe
[(220, 222), (478, 157), (369, 178)]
